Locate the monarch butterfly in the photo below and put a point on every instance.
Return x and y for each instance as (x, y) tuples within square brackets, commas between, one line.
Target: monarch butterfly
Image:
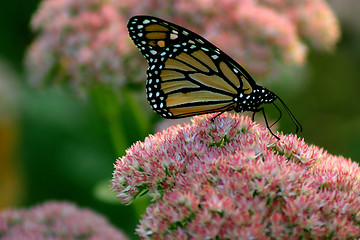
[(188, 75)]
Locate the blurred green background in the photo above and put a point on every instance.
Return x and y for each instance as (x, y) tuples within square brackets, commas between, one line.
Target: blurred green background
[(60, 147)]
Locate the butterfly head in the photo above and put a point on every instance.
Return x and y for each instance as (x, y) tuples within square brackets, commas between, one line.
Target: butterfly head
[(253, 100), (266, 96)]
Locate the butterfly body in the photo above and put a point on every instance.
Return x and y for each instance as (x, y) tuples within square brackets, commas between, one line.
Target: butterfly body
[(188, 75)]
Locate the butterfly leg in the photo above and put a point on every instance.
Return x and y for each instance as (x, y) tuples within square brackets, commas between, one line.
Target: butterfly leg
[(266, 121), (253, 116), (278, 117), (213, 119), (229, 108)]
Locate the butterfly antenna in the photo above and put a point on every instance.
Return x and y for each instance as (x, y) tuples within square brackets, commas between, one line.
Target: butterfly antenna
[(295, 121)]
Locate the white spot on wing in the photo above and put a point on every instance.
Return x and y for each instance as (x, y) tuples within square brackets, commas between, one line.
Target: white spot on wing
[(200, 41)]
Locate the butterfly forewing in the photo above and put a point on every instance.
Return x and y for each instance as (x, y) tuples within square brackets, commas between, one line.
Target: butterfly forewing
[(187, 75)]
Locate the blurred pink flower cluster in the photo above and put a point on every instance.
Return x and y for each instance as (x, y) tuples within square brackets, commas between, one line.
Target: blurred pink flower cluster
[(85, 41), (260, 34), (231, 179), (55, 221), (82, 42)]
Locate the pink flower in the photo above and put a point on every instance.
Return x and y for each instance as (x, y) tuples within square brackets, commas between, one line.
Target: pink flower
[(55, 221), (83, 42), (86, 42), (314, 19), (232, 179)]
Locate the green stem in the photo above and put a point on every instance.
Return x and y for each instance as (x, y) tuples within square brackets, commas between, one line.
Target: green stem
[(141, 119), (111, 107)]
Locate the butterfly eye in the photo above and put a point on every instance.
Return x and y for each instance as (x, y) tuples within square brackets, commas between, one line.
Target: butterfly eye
[(189, 76)]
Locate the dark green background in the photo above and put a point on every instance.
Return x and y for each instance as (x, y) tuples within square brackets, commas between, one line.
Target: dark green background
[(65, 150)]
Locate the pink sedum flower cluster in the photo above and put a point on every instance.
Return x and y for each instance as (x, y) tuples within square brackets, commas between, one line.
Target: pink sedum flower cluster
[(231, 179), (86, 41), (82, 42), (314, 20), (260, 34), (56, 221)]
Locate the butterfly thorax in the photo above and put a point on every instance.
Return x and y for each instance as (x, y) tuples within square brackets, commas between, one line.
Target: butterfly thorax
[(252, 101)]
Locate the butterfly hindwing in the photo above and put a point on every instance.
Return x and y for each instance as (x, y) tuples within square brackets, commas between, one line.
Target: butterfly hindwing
[(187, 75)]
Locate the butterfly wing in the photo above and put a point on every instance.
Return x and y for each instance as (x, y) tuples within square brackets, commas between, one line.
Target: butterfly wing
[(187, 75)]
